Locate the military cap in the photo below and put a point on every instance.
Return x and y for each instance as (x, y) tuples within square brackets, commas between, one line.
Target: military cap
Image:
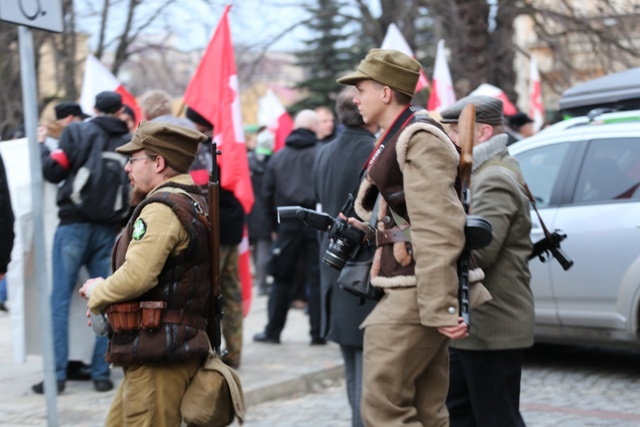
[(68, 108), (177, 144), (108, 102), (389, 67), (488, 110)]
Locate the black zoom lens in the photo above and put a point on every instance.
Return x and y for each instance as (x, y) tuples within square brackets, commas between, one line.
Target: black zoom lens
[(337, 253)]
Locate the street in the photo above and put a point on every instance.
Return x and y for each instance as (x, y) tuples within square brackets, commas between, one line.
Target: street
[(561, 386)]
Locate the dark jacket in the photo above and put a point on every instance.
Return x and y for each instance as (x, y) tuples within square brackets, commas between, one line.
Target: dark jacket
[(336, 173), (289, 176), (231, 211), (73, 150), (6, 221), (259, 219)]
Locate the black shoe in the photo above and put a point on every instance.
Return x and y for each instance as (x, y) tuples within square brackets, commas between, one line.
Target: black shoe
[(318, 341), (102, 385), (78, 372), (3, 307), (39, 388), (263, 337)]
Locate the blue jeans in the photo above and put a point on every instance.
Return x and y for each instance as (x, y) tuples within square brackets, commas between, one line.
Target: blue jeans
[(3, 290), (75, 245)]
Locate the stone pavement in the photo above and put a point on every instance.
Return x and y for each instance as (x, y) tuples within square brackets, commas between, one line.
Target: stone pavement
[(267, 372)]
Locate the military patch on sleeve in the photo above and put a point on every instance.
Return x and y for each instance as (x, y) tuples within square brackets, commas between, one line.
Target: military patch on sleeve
[(139, 229)]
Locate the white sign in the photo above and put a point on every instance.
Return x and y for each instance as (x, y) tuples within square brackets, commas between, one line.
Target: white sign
[(41, 14)]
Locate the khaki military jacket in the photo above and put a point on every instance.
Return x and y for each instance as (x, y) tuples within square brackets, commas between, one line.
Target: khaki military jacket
[(146, 257)]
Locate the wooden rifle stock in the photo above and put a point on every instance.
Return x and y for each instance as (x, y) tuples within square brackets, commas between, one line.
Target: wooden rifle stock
[(466, 130), (215, 309)]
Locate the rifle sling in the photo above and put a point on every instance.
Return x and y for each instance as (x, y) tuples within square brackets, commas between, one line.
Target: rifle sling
[(522, 182)]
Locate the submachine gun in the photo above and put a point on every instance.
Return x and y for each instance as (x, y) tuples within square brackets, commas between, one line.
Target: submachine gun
[(215, 312), (478, 232)]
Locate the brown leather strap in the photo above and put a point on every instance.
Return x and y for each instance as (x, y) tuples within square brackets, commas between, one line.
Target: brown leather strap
[(182, 317), (390, 236)]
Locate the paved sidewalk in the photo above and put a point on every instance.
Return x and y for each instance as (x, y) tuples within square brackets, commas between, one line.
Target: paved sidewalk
[(267, 372)]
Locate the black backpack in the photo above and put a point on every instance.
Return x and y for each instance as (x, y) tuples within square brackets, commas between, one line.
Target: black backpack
[(100, 188)]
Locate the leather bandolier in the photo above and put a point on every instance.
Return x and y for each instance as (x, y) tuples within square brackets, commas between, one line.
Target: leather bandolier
[(184, 285), (395, 265)]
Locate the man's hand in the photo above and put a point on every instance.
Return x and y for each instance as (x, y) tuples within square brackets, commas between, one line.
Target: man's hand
[(461, 330), (2, 276), (42, 134), (87, 287)]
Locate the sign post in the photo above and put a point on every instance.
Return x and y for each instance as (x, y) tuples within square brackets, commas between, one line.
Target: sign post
[(45, 15)]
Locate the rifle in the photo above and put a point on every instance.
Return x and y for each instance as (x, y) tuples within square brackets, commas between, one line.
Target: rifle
[(551, 244), (477, 230), (466, 128), (215, 311)]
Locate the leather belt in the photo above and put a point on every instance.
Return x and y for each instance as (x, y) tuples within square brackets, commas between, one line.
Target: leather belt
[(392, 235), (182, 317)]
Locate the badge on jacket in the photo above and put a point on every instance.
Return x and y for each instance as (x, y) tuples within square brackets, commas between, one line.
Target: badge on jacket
[(139, 229)]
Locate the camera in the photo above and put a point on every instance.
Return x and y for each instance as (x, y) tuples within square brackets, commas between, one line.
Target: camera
[(343, 237)]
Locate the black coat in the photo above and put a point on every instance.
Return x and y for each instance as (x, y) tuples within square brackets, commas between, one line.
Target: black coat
[(6, 221), (288, 179), (337, 171), (259, 219)]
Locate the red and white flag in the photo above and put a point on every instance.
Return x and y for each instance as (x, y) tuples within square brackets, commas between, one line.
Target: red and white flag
[(536, 110), (272, 114), (98, 78), (442, 94), (395, 40), (214, 93), (495, 92)]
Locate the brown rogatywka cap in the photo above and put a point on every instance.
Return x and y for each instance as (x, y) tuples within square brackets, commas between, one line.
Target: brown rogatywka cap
[(389, 67), (177, 144)]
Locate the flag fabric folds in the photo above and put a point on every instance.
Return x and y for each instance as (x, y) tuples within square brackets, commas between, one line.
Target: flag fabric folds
[(272, 114), (536, 110), (395, 40), (98, 78), (442, 94), (214, 93)]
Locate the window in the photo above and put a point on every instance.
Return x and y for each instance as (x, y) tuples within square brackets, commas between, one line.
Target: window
[(541, 167), (610, 171)]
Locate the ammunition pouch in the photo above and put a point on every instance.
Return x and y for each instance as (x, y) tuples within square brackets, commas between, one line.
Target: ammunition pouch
[(148, 315)]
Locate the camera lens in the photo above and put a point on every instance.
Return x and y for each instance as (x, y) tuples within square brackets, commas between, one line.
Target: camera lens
[(337, 253)]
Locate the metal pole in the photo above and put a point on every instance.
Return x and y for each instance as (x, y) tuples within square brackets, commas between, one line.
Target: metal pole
[(30, 101)]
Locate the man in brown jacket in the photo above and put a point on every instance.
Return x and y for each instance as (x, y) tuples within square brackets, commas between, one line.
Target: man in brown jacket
[(161, 260), (413, 169), (486, 367)]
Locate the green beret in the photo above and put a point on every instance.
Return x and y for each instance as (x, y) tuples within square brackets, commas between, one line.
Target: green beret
[(389, 67), (177, 144), (488, 110)]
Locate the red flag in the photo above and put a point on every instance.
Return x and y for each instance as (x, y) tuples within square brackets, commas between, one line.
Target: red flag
[(395, 40), (442, 94), (272, 114), (495, 92), (244, 269), (98, 78), (536, 111), (213, 92)]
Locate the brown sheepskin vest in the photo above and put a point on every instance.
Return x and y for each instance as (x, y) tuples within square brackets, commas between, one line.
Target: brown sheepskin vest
[(184, 284), (394, 265)]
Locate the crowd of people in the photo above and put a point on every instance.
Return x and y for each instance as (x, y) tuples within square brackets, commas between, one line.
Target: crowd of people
[(410, 359)]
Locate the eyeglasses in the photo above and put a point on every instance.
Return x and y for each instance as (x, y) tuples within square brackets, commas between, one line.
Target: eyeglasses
[(131, 160)]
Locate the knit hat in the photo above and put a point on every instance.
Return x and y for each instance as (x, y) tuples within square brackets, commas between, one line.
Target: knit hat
[(177, 144), (195, 117), (389, 67), (68, 108), (488, 110), (108, 102)]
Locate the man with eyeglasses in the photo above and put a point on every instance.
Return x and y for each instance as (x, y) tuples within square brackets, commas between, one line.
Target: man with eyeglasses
[(161, 259), (80, 241)]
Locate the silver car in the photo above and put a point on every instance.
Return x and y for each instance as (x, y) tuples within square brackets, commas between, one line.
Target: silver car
[(584, 174)]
